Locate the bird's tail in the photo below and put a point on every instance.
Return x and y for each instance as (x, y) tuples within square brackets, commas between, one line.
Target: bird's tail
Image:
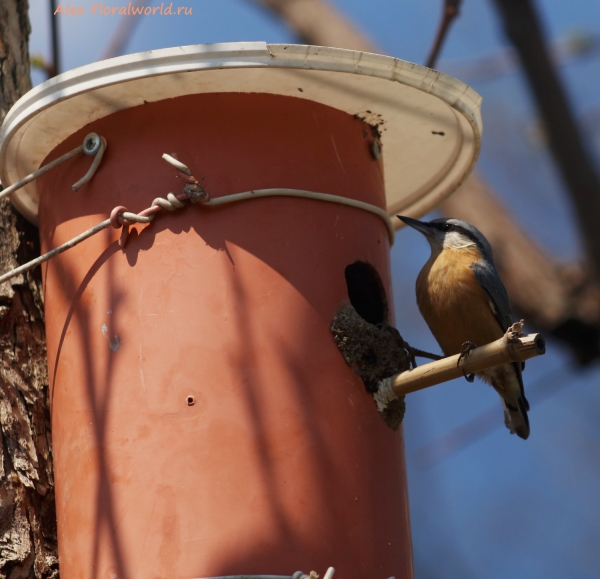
[(516, 419)]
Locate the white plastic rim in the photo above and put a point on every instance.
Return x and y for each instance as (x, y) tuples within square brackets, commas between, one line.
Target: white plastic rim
[(430, 122)]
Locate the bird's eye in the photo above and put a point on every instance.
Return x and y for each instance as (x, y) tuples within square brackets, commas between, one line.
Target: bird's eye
[(448, 227)]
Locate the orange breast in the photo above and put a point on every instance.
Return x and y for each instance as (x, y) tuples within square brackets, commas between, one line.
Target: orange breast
[(456, 308)]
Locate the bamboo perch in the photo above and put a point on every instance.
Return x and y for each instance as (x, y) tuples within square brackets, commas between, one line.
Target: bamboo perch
[(512, 347)]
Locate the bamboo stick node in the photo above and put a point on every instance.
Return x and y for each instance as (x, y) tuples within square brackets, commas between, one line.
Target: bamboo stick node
[(512, 347)]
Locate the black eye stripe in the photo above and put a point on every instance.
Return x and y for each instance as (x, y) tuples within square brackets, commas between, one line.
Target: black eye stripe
[(467, 234), (458, 228)]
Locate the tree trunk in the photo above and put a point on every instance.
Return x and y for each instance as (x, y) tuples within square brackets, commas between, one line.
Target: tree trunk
[(27, 513)]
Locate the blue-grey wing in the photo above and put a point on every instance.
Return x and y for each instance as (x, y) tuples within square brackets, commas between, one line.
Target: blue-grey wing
[(488, 278)]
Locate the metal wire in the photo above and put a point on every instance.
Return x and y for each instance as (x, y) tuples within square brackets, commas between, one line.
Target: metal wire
[(121, 217), (95, 163), (303, 576), (39, 172), (297, 575), (307, 195), (42, 258), (82, 148), (177, 164), (288, 193)]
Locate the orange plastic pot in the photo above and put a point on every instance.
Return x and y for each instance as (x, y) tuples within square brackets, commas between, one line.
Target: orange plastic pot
[(204, 421)]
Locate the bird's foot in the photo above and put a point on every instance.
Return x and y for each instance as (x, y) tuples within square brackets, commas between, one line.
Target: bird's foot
[(412, 353), (465, 350)]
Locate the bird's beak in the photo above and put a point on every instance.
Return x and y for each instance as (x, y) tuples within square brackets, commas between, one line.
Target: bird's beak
[(421, 226)]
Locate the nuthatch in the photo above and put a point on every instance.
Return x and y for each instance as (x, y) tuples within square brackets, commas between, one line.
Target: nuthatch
[(464, 302)]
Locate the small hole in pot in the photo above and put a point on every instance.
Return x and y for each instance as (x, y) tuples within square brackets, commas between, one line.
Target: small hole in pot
[(190, 400)]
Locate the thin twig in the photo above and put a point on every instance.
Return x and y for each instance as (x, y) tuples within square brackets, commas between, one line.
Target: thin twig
[(54, 68), (123, 33), (38, 61), (451, 9)]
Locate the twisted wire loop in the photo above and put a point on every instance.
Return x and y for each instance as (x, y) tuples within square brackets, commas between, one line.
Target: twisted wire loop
[(192, 191), (122, 218), (194, 188), (93, 144)]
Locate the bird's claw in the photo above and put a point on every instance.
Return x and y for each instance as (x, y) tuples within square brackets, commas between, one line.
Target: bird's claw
[(412, 353), (411, 356), (465, 350)]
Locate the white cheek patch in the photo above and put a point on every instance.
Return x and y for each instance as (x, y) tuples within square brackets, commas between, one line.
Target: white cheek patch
[(456, 240)]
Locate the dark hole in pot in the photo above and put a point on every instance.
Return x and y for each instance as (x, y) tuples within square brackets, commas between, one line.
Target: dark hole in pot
[(366, 292)]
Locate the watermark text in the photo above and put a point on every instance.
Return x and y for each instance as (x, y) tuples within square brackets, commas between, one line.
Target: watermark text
[(102, 9)]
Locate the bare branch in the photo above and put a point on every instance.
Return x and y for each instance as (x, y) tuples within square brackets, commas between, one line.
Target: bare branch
[(316, 22), (121, 36), (451, 10), (523, 28), (560, 300)]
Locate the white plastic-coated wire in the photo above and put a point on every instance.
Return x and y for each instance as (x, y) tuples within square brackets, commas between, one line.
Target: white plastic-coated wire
[(42, 258), (290, 193), (307, 195), (302, 576), (95, 163), (257, 577), (297, 575), (121, 217), (39, 172), (85, 148), (177, 164)]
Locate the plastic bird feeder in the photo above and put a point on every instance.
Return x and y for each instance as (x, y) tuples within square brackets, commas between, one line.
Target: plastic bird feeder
[(204, 422)]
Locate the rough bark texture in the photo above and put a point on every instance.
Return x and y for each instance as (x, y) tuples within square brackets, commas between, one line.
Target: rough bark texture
[(27, 513), (558, 299)]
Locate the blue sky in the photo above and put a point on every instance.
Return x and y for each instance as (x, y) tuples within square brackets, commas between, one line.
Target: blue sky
[(499, 507)]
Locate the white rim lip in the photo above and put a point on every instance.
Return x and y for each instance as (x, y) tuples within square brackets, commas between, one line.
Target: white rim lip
[(166, 61)]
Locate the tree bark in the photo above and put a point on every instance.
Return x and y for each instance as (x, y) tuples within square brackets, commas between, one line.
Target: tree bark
[(27, 512)]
